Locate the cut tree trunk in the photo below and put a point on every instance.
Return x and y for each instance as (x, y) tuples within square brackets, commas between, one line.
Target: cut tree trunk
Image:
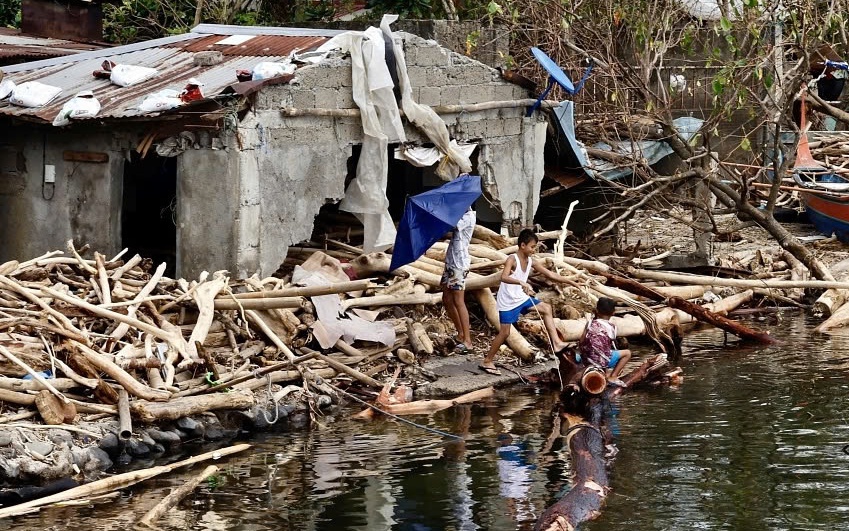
[(150, 412)]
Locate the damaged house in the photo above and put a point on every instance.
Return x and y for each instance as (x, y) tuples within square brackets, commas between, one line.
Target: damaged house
[(193, 166)]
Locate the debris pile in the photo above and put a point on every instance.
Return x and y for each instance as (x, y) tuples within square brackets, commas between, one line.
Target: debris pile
[(832, 149)]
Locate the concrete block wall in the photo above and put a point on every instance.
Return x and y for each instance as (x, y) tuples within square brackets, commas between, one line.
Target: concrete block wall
[(84, 204), (294, 165), (287, 169)]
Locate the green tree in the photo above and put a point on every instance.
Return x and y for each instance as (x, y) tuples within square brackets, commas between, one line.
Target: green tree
[(10, 13), (757, 55)]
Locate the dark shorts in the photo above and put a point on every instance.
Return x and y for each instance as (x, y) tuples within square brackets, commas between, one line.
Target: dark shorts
[(512, 316)]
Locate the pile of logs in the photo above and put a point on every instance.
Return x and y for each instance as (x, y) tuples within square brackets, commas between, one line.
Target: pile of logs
[(831, 148)]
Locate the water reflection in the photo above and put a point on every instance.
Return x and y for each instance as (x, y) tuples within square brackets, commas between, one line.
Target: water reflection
[(752, 440)]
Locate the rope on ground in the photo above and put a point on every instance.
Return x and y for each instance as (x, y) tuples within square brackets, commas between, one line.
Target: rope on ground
[(396, 417)]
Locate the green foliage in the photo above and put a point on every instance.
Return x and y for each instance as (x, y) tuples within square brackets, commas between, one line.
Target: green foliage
[(10, 13), (295, 11), (138, 20)]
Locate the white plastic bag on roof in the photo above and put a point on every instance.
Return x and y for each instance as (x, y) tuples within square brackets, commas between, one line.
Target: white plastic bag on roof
[(268, 70), (126, 75), (34, 94), (160, 101), (6, 88), (83, 105)]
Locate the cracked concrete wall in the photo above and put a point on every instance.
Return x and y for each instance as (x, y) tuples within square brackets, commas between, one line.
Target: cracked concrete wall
[(83, 204), (285, 168)]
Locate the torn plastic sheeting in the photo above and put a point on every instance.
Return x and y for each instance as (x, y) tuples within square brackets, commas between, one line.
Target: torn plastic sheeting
[(329, 326), (373, 93), (423, 117), (269, 69), (423, 157), (649, 150)]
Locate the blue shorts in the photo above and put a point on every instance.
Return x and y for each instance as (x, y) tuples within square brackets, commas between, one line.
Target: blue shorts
[(512, 316), (615, 356)]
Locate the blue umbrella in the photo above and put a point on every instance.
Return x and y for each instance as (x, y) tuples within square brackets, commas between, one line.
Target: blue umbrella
[(429, 215)]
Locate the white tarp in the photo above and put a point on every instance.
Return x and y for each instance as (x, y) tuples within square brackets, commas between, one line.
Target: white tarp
[(423, 157), (332, 323), (372, 89), (373, 93)]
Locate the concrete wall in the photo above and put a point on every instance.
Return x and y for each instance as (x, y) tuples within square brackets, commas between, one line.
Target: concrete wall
[(208, 198), (84, 203), (289, 167)]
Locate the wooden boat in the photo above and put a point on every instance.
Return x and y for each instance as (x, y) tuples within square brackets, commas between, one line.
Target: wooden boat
[(826, 194), (826, 200)]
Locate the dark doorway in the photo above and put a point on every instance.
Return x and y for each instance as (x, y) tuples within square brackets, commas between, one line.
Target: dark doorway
[(149, 209)]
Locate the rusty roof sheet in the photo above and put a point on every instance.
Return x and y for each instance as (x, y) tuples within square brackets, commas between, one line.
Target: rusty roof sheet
[(171, 56), (14, 44), (260, 45)]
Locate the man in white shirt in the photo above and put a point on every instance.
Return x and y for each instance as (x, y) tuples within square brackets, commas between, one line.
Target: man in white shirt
[(453, 282)]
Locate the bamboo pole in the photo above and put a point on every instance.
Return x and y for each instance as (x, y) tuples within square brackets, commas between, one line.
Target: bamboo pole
[(438, 109), (120, 481), (686, 278), (176, 496), (267, 303), (350, 371), (308, 291), (125, 423)]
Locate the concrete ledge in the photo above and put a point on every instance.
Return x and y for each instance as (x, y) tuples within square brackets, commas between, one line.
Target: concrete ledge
[(460, 374)]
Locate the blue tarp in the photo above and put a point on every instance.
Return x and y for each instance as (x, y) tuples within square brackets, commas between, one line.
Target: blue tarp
[(650, 150)]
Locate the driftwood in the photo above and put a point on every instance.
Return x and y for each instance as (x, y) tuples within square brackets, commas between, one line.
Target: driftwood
[(120, 481), (149, 412), (419, 340), (175, 496), (425, 407), (699, 312), (53, 411)]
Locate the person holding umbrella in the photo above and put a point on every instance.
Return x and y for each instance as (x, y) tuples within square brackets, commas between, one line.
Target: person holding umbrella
[(453, 282)]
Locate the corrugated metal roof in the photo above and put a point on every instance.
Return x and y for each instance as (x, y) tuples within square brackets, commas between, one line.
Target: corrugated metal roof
[(257, 45), (15, 44), (171, 56)]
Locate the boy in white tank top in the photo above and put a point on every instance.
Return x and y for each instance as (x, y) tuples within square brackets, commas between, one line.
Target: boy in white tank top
[(515, 297)]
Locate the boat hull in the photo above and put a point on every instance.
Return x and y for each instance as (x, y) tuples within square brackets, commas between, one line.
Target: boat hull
[(829, 214)]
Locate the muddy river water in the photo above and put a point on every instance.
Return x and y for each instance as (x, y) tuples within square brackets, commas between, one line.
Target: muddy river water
[(754, 439)]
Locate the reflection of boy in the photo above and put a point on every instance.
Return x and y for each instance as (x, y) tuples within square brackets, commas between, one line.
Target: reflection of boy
[(514, 473), (453, 282)]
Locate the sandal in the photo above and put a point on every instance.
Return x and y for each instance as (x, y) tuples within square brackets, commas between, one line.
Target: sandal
[(461, 348), (490, 370)]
